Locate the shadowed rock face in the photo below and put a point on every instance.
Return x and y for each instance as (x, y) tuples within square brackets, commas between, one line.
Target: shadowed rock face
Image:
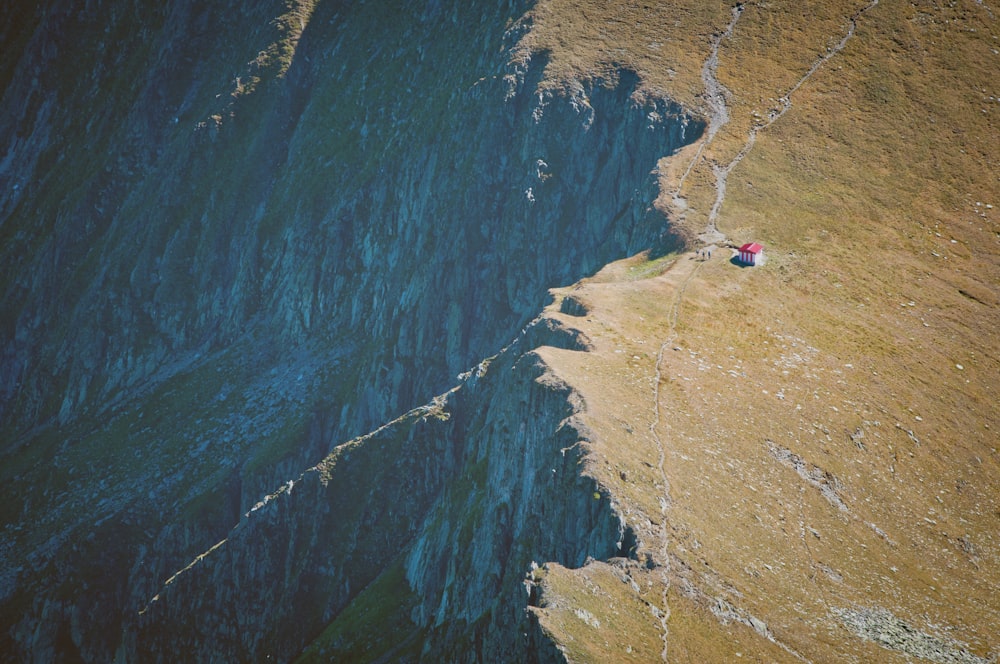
[(233, 238), (431, 524)]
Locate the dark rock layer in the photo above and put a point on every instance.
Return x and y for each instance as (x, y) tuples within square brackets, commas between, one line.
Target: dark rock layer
[(233, 237)]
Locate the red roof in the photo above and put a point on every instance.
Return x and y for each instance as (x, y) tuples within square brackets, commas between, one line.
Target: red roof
[(752, 248)]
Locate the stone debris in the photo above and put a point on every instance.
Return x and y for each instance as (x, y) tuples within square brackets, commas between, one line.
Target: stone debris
[(822, 480), (892, 633)]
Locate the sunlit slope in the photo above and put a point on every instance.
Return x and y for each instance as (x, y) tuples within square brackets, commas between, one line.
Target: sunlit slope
[(813, 442)]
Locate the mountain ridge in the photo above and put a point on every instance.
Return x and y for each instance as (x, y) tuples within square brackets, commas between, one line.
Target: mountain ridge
[(784, 462)]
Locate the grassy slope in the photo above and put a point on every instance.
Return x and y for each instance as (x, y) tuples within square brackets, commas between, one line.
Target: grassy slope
[(828, 422)]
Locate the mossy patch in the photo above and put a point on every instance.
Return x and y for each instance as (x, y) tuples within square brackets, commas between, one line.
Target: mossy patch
[(375, 626)]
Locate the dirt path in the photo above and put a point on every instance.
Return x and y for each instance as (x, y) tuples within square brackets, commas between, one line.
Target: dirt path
[(718, 116), (715, 97), (682, 271), (784, 104), (685, 269)]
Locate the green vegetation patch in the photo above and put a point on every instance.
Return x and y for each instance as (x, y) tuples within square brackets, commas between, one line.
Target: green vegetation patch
[(375, 626), (652, 267)]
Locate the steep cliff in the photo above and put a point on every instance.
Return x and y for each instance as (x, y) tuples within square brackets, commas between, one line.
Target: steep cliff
[(234, 237), (252, 258), (431, 523)]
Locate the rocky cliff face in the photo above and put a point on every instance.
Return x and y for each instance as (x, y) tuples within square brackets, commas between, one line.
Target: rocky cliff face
[(234, 237), (431, 522)]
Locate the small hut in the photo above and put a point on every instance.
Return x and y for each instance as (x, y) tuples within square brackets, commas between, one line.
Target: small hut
[(751, 253)]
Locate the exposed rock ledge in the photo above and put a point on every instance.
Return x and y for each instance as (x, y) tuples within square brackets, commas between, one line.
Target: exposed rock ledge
[(490, 471)]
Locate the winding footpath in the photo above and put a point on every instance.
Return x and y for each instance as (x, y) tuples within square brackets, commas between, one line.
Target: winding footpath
[(718, 110), (661, 455), (715, 94), (784, 104), (715, 97)]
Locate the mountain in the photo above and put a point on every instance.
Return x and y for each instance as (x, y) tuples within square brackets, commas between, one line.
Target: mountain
[(388, 332)]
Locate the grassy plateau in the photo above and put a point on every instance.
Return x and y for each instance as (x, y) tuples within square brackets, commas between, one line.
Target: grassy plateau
[(808, 448)]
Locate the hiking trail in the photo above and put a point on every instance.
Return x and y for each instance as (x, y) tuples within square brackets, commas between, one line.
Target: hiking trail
[(684, 270)]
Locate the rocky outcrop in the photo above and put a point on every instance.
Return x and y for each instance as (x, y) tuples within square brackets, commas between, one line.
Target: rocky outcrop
[(263, 209), (236, 238), (464, 494)]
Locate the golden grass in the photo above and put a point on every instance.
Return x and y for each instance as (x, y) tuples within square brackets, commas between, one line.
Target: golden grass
[(866, 347), (571, 613)]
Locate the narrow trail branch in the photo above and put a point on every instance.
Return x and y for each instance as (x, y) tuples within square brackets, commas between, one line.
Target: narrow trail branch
[(785, 103), (715, 97)]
